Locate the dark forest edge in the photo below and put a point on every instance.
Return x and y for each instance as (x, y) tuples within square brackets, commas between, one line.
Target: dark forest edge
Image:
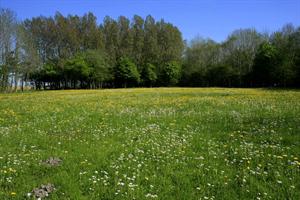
[(73, 52)]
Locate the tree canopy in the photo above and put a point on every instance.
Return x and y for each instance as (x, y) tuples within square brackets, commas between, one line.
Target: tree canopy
[(61, 52)]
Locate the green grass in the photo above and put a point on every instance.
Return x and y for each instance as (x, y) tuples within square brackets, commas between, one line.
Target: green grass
[(166, 143)]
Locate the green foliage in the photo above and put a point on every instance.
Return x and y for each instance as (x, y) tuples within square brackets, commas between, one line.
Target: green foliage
[(77, 68), (170, 43), (88, 70), (149, 74), (264, 64), (171, 73), (98, 64), (199, 57), (50, 72), (138, 40), (84, 54), (126, 73), (287, 45), (222, 75), (125, 38)]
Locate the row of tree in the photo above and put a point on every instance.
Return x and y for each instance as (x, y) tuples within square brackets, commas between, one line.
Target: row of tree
[(246, 59), (63, 52)]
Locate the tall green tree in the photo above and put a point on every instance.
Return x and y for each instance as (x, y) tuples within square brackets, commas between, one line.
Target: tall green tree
[(265, 64), (138, 41), (111, 37), (170, 42), (8, 39), (150, 49), (29, 57), (91, 34), (77, 71), (125, 38), (126, 73), (171, 73), (285, 71), (149, 75), (200, 56), (100, 71), (239, 50)]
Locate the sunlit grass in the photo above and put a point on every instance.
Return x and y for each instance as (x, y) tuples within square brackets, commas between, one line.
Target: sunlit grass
[(159, 143)]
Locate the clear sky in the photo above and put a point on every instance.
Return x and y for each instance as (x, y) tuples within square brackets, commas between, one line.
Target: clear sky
[(207, 18)]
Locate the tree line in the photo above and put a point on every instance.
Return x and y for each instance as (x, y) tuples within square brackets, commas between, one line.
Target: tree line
[(63, 52), (246, 58)]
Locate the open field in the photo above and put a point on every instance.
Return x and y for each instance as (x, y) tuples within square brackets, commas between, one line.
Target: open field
[(163, 143)]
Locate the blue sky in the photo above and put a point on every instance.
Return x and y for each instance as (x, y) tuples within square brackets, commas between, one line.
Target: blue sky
[(215, 18)]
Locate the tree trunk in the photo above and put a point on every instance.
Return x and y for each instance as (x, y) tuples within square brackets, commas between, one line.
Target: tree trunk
[(16, 82)]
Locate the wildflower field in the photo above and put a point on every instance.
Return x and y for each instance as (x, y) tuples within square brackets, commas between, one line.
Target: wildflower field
[(160, 143)]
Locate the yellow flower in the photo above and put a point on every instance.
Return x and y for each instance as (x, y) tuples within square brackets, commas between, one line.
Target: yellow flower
[(13, 193)]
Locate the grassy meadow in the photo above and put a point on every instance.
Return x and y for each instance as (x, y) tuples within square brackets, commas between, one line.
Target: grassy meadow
[(160, 143)]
